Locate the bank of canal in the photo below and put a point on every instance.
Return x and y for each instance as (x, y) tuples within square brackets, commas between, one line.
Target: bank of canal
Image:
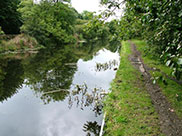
[(145, 98), (130, 111)]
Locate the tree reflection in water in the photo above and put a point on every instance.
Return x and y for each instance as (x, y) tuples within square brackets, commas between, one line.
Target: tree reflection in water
[(91, 128), (47, 72), (84, 97), (50, 73), (112, 64), (11, 77), (52, 70)]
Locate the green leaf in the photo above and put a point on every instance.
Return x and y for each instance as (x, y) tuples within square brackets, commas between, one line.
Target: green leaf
[(154, 81), (180, 14), (179, 61), (168, 62)]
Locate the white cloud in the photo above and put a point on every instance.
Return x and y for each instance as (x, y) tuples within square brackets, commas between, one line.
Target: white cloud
[(94, 5), (89, 5)]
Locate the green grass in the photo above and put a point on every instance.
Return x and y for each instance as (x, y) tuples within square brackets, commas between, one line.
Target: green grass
[(129, 111), (170, 89)]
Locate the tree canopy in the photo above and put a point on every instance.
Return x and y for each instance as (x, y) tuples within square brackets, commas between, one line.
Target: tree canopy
[(48, 21), (9, 16), (159, 22)]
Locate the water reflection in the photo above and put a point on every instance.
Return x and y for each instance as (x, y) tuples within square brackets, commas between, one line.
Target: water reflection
[(55, 95), (112, 64), (91, 128), (11, 77), (47, 72), (59, 78), (114, 45), (83, 97)]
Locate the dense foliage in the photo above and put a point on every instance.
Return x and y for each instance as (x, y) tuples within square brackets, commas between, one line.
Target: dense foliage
[(95, 29), (9, 16), (86, 15), (1, 31), (159, 22), (114, 32), (91, 28), (8, 83), (49, 22)]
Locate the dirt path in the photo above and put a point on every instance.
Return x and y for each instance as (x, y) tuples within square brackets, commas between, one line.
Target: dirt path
[(171, 125)]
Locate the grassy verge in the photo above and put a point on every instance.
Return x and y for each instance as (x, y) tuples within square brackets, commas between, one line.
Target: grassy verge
[(170, 89), (129, 111)]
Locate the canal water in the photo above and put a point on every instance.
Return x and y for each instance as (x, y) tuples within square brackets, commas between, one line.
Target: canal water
[(55, 92)]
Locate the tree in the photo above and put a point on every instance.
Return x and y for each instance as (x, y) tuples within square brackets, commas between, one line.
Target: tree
[(95, 29), (159, 22), (9, 17), (86, 15), (48, 22)]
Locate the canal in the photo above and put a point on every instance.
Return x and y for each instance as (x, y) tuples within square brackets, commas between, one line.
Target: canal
[(55, 92)]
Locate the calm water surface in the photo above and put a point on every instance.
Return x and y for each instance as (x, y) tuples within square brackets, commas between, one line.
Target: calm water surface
[(55, 93)]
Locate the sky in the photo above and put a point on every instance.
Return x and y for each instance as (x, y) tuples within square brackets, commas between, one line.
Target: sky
[(89, 5), (92, 5)]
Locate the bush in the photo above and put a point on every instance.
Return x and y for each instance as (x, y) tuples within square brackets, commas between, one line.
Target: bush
[(21, 41)]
